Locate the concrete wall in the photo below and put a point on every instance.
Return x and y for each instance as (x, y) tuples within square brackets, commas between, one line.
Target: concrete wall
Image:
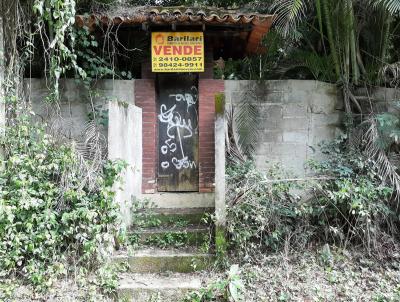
[(124, 129), (378, 99), (125, 142), (295, 115), (71, 115), (2, 100)]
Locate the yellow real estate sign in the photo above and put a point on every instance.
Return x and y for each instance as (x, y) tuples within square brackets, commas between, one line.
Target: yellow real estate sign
[(177, 52)]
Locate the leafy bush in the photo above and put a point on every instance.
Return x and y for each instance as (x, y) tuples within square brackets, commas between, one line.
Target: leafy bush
[(354, 205), (262, 210), (346, 203), (49, 211)]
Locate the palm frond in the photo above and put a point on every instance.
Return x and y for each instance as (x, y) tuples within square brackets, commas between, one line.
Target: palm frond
[(242, 126), (93, 143), (289, 14), (392, 6), (391, 74), (246, 122), (233, 147), (320, 66), (387, 169), (91, 151)]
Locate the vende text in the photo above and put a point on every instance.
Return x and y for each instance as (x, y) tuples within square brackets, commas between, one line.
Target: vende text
[(178, 50)]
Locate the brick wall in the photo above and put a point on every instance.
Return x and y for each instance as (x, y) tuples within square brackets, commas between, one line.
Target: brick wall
[(145, 98), (207, 90)]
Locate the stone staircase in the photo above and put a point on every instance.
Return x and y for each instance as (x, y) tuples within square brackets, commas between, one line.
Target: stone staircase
[(167, 257)]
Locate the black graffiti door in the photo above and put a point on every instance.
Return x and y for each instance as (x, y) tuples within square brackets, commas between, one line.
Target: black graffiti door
[(178, 132)]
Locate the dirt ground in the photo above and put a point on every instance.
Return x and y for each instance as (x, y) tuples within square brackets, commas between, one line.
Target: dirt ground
[(323, 276)]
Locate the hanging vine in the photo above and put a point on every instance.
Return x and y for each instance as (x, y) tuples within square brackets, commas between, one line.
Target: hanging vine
[(55, 24), (56, 204)]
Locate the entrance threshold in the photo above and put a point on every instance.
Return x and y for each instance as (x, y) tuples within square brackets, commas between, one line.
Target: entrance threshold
[(181, 200)]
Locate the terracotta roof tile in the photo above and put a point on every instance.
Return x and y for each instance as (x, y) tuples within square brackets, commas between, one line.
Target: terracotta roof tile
[(185, 16)]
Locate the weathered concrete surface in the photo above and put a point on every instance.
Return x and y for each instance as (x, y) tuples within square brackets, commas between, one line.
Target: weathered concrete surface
[(157, 261), (219, 132), (113, 100), (192, 235), (196, 216), (2, 97), (151, 287), (220, 185), (378, 99), (295, 116), (72, 113), (181, 200), (125, 142)]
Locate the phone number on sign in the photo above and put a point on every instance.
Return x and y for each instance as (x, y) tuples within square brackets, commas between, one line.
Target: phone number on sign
[(177, 59), (160, 65)]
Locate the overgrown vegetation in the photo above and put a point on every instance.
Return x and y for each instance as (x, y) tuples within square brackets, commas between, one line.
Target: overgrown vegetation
[(229, 287), (51, 216), (345, 209), (262, 211), (355, 207), (57, 215), (154, 230), (57, 212), (346, 204)]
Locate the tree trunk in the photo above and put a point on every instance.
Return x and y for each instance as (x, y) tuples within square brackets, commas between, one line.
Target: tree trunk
[(331, 38)]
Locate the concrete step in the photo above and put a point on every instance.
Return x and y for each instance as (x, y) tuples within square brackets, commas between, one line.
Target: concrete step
[(194, 235), (194, 216), (151, 287), (154, 260)]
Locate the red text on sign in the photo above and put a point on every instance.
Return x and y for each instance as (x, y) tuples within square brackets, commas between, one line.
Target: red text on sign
[(178, 50)]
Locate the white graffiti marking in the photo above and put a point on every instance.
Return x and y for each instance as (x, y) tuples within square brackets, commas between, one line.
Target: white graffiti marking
[(183, 128), (165, 165), (174, 120), (171, 146), (183, 163), (189, 98), (164, 149)]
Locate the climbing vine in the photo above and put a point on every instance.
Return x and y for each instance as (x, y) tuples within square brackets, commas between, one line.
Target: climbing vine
[(55, 24), (56, 203)]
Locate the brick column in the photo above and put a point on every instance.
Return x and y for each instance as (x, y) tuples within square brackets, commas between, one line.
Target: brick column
[(145, 98), (207, 91)]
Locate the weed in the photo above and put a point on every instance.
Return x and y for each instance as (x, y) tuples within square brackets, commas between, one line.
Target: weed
[(349, 204), (107, 278), (230, 288), (284, 296), (143, 215), (169, 239), (260, 214), (354, 205), (178, 222), (133, 239)]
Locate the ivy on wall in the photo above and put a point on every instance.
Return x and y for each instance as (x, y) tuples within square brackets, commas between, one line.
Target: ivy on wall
[(55, 20)]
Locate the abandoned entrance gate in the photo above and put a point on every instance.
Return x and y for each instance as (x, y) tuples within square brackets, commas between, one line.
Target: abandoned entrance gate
[(178, 132), (184, 43)]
